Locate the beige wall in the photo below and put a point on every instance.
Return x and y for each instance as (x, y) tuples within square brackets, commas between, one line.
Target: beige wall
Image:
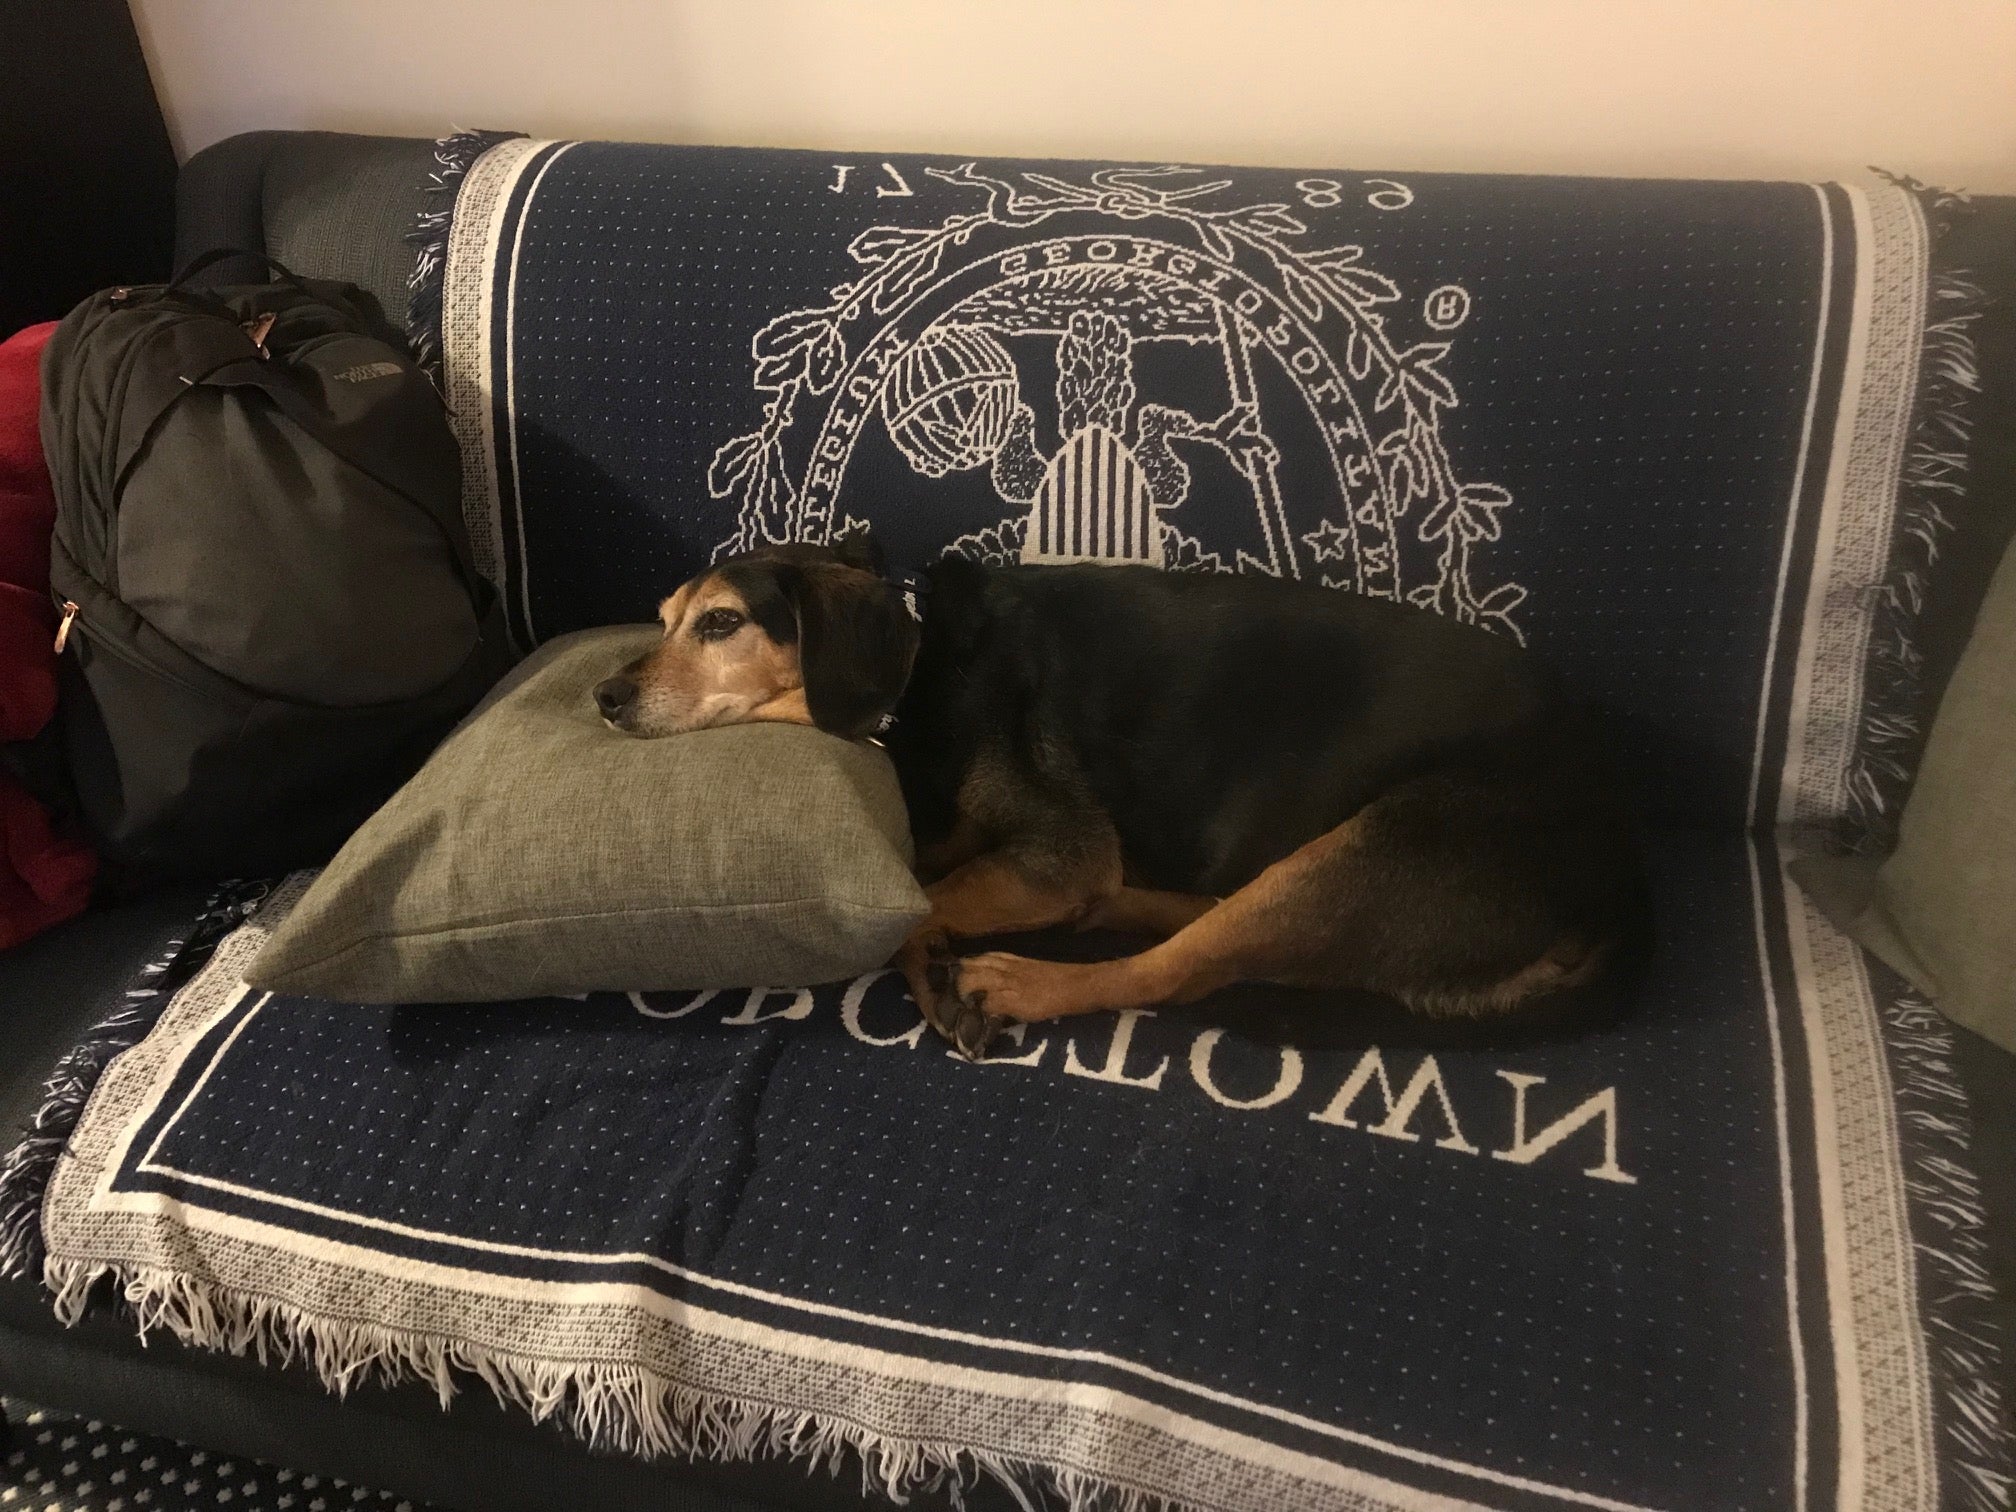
[(1791, 88)]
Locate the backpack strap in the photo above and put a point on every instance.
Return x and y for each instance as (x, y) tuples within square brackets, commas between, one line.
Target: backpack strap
[(216, 255), (178, 289)]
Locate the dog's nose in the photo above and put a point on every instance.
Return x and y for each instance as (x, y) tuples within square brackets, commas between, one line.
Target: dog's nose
[(613, 696)]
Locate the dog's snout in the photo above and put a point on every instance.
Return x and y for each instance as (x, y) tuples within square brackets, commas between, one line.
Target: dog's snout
[(614, 695)]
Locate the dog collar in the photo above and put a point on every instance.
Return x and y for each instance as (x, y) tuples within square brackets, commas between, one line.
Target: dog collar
[(916, 589)]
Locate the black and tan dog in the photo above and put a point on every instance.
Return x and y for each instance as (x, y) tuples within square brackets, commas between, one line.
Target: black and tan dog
[(1284, 783)]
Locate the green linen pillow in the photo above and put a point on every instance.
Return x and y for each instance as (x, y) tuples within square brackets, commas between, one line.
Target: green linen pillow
[(1949, 893), (1939, 909), (540, 852)]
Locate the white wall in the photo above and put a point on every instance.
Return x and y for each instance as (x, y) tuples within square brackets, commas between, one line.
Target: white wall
[(1766, 88)]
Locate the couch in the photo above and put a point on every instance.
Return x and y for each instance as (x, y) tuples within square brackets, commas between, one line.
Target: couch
[(342, 206)]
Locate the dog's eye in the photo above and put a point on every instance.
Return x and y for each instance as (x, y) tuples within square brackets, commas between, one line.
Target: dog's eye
[(717, 624)]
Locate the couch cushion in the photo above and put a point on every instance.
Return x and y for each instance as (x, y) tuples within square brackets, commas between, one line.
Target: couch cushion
[(55, 988)]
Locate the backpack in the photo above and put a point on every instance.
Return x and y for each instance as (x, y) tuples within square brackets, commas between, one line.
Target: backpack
[(269, 610)]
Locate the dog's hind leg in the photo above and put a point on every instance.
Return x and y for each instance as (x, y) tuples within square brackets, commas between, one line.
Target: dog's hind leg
[(966, 841), (1442, 893), (1233, 941)]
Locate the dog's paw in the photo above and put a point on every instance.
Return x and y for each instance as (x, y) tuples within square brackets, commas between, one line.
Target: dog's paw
[(964, 1021), (1029, 991), (959, 1017)]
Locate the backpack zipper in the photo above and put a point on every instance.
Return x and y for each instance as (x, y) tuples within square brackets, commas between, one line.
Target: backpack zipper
[(110, 645)]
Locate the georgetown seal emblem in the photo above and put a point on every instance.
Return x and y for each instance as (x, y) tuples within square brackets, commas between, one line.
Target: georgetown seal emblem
[(1123, 370)]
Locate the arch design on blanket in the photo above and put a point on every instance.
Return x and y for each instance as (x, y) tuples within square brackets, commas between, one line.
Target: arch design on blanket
[(1037, 342)]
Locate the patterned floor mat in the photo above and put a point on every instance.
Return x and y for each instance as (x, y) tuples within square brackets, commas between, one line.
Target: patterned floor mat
[(56, 1463)]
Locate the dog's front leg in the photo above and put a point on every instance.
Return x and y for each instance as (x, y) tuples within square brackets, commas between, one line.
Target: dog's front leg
[(992, 894)]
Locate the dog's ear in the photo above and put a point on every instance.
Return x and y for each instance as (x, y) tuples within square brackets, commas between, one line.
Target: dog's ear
[(856, 642), (856, 546)]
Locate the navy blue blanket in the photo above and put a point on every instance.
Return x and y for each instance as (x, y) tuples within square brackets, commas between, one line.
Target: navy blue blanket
[(1278, 1251), (1588, 413)]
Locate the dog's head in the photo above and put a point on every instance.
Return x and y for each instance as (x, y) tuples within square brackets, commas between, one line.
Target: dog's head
[(794, 634)]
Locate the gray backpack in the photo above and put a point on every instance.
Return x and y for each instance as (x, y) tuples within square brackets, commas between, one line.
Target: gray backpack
[(270, 614)]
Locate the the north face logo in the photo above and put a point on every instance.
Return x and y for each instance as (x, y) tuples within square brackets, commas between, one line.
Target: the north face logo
[(363, 372)]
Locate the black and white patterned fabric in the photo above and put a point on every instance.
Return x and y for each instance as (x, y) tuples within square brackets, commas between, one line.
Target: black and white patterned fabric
[(1722, 1255), (58, 1463)]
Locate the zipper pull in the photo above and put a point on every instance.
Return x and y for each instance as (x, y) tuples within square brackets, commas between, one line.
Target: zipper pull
[(63, 630)]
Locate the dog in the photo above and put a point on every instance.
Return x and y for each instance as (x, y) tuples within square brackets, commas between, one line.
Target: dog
[(1277, 782)]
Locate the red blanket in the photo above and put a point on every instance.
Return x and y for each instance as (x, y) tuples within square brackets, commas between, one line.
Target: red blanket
[(44, 877)]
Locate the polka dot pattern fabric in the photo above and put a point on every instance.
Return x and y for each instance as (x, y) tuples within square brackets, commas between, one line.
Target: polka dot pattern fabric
[(58, 1463)]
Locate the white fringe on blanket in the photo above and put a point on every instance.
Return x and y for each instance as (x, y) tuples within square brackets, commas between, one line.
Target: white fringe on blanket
[(623, 1408)]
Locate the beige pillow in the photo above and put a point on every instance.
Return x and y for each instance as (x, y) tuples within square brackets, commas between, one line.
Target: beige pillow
[(1950, 890), (1942, 909), (539, 852)]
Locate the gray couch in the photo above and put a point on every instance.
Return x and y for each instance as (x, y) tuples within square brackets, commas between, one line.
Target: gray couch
[(339, 206)]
